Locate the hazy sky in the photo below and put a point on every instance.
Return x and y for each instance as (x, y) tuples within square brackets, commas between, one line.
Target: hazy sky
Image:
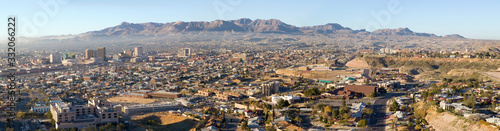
[(471, 19)]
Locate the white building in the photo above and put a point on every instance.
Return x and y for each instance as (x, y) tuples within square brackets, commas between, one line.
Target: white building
[(356, 109), (40, 108), (321, 68), (290, 98), (493, 120), (138, 51), (55, 58)]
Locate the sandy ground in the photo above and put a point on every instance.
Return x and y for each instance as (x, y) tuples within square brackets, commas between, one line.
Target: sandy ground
[(448, 122), (131, 100), (357, 63), (166, 121), (494, 75)]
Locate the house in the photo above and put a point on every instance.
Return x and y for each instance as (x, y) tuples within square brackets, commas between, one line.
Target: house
[(254, 122), (404, 101), (210, 128), (493, 120), (455, 106), (358, 90), (400, 114), (283, 118), (40, 108), (356, 109), (249, 113)]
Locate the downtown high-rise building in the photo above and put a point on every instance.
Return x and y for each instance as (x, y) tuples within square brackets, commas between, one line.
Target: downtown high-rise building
[(138, 51), (184, 52), (270, 87), (55, 58), (101, 53), (89, 53)]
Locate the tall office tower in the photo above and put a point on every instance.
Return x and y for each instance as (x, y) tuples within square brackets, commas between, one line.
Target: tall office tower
[(184, 52), (138, 51), (89, 53), (101, 53), (270, 87), (55, 58), (242, 56)]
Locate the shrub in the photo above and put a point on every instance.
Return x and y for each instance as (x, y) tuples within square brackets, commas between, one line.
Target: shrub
[(362, 123), (439, 110)]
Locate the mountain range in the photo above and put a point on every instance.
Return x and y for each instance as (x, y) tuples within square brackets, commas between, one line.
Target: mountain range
[(252, 34), (244, 25)]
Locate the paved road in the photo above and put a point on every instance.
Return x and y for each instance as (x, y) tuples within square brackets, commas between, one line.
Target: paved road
[(377, 121), (306, 120), (232, 124)]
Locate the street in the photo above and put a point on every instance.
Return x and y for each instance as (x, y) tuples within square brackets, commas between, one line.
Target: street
[(377, 122)]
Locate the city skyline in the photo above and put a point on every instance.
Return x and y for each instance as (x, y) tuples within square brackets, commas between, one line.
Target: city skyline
[(474, 20)]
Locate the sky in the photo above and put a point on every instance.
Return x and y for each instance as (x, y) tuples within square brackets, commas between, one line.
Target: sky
[(471, 19)]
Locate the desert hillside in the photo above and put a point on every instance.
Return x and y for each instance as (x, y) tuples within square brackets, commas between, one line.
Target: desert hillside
[(448, 122)]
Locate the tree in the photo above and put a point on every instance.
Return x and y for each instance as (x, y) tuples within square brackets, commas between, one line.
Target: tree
[(48, 115), (283, 103), (373, 94), (53, 122), (312, 92), (362, 123), (270, 128), (109, 126), (244, 125), (418, 127), (328, 109), (367, 111), (394, 106), (336, 114), (346, 116), (102, 128), (471, 102), (344, 110), (298, 119), (21, 114), (439, 110)]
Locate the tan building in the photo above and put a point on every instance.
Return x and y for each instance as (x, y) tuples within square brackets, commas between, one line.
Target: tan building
[(270, 87), (184, 52), (89, 53), (138, 51), (94, 113), (101, 53)]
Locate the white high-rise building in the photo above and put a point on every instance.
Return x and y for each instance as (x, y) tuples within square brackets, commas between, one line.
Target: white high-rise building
[(55, 58), (184, 52), (138, 51)]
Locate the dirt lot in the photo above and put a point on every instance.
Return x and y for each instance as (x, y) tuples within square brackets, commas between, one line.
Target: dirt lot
[(495, 75), (357, 63), (131, 100), (165, 121)]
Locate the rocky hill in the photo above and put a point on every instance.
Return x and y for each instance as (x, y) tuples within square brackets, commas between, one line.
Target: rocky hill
[(446, 121)]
